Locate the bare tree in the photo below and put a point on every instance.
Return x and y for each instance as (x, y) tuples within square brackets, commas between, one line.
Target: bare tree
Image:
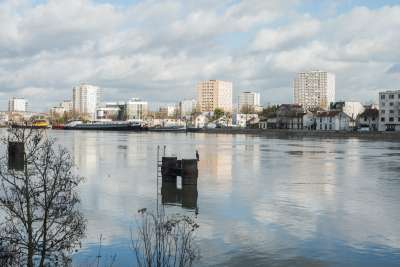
[(165, 240), (40, 203)]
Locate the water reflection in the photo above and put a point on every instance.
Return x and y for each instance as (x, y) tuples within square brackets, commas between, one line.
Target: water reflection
[(264, 202), (185, 196)]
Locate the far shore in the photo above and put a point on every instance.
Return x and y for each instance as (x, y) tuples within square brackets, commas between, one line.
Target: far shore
[(286, 133)]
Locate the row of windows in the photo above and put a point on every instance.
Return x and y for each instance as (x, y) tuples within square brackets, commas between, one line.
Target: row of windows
[(390, 104), (391, 96), (391, 119), (384, 111)]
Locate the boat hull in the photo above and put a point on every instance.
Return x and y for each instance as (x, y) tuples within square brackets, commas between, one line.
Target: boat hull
[(135, 128)]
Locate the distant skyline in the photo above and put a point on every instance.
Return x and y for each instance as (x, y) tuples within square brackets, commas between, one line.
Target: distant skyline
[(160, 50)]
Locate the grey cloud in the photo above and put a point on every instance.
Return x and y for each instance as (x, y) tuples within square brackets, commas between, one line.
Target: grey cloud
[(394, 69)]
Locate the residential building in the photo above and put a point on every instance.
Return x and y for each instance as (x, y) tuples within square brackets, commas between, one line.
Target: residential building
[(67, 105), (289, 116), (64, 107), (314, 89), (243, 120), (171, 111), (389, 111), (17, 104), (214, 94), (201, 121), (108, 113), (136, 109), (4, 116), (333, 121), (187, 107), (353, 109), (249, 102), (309, 121), (368, 120), (85, 100), (57, 111)]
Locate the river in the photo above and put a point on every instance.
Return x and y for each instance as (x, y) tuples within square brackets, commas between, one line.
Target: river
[(259, 201)]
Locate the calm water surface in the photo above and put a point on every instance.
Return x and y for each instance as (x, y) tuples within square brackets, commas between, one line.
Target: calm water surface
[(261, 202)]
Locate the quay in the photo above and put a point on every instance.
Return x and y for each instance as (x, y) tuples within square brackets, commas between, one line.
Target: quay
[(285, 133)]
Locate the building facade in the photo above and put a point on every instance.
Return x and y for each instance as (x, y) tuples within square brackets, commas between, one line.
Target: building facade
[(214, 94), (314, 89), (368, 120), (85, 100), (333, 121), (187, 107), (136, 109), (17, 104), (67, 105), (353, 109), (243, 120), (389, 111), (249, 101)]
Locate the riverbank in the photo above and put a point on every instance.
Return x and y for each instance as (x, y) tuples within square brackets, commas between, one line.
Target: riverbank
[(280, 133)]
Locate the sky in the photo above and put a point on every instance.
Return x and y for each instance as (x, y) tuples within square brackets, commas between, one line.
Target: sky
[(159, 50)]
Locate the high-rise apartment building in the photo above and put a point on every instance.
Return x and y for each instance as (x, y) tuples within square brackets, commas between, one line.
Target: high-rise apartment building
[(85, 100), (389, 111), (214, 94), (314, 89), (17, 104), (249, 101)]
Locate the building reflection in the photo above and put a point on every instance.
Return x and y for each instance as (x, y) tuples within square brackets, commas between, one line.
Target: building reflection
[(185, 197)]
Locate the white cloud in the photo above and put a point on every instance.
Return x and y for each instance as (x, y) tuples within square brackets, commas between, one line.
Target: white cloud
[(158, 50), (270, 39)]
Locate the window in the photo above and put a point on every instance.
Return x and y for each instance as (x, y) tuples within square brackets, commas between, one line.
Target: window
[(383, 97), (383, 104), (320, 126), (391, 111), (391, 104), (391, 119), (330, 126), (391, 96), (383, 111), (383, 119)]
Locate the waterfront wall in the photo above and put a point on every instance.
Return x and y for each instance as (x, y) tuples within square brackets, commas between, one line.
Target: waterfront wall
[(280, 133)]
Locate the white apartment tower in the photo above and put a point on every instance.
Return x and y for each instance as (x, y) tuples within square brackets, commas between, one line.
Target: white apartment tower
[(249, 100), (214, 94), (85, 100), (389, 110), (17, 104), (314, 89), (136, 109)]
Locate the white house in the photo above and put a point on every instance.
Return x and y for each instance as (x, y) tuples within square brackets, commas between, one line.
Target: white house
[(309, 121), (200, 121), (333, 121), (241, 120)]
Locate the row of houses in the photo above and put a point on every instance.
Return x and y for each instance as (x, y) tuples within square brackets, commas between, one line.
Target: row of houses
[(342, 116)]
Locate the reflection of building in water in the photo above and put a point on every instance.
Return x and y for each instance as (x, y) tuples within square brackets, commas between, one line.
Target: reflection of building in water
[(217, 163), (185, 197), (84, 152)]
